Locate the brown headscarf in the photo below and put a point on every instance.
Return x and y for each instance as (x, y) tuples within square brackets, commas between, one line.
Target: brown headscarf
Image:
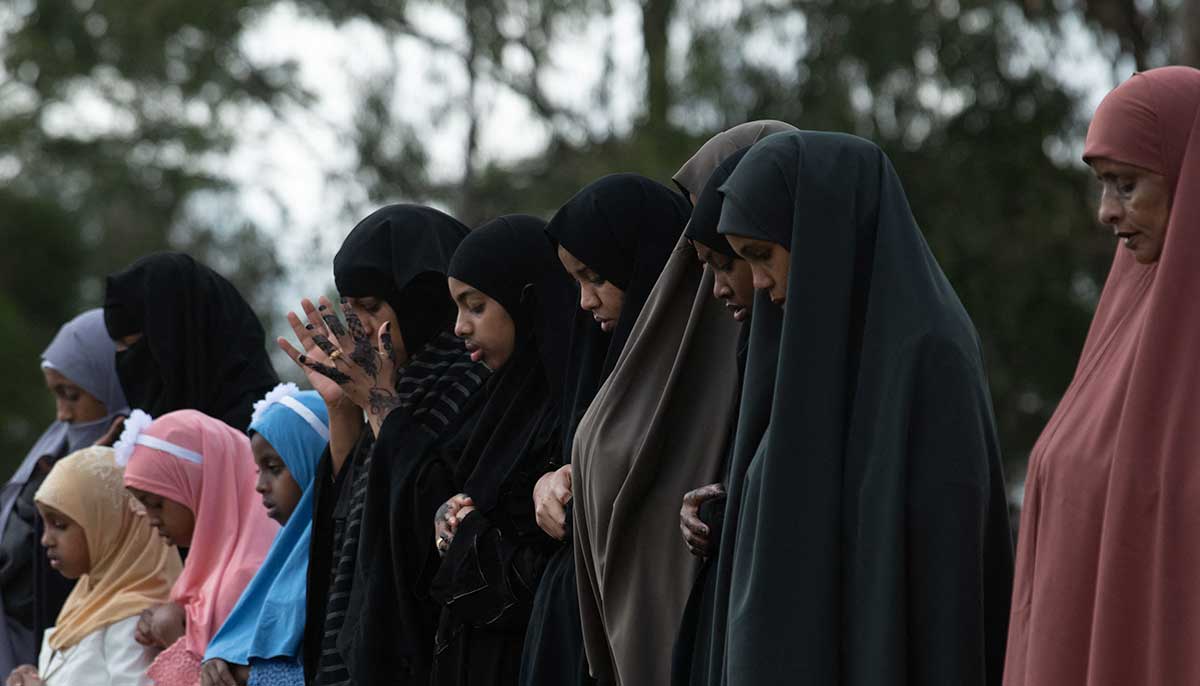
[(1106, 582), (653, 432)]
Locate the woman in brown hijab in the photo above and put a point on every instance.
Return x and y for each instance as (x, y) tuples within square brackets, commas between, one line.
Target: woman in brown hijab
[(1109, 549), (637, 451)]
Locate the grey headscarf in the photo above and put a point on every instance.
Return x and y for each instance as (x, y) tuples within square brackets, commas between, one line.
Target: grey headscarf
[(82, 352), (654, 431)]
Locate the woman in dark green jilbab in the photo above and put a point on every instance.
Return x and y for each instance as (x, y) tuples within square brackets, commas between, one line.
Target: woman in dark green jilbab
[(871, 540)]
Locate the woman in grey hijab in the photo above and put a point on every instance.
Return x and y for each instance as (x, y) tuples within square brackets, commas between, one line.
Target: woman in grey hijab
[(79, 366), (638, 450)]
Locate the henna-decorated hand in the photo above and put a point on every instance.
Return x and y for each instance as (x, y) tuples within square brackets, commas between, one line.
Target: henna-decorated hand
[(695, 532), (364, 371), (306, 333), (447, 518)]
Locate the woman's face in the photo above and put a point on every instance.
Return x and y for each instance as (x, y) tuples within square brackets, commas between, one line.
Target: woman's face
[(73, 403), (484, 325), (174, 521), (1136, 203), (599, 297), (65, 543), (768, 265), (733, 282), (373, 312), (280, 492)]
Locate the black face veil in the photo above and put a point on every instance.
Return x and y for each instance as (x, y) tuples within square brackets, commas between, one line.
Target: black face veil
[(202, 347)]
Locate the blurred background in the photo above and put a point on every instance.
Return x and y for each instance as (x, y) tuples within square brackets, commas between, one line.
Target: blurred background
[(255, 133)]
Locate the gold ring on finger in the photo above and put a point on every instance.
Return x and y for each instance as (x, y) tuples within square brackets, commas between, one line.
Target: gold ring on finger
[(333, 357)]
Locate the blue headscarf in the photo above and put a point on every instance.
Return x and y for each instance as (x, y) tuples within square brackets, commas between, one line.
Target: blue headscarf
[(268, 620)]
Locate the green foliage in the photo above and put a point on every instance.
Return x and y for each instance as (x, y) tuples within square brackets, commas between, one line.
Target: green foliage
[(110, 113)]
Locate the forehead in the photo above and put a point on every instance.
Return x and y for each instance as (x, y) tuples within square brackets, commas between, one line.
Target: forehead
[(55, 378), (1104, 166), (51, 511), (572, 263), (459, 289), (743, 242), (261, 447)]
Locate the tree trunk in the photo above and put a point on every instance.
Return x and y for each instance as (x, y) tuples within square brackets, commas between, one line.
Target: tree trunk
[(656, 22)]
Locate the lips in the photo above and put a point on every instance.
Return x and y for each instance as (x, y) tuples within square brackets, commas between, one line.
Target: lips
[(475, 350), (737, 311)]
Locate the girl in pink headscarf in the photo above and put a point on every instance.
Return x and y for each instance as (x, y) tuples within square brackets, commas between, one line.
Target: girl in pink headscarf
[(196, 477), (1106, 588)]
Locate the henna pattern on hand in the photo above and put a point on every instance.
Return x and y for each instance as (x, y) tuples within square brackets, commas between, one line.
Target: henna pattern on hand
[(332, 373), (364, 355), (386, 338), (334, 324), (382, 401), (324, 344)]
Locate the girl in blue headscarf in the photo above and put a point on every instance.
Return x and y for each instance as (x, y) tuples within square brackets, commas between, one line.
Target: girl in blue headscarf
[(260, 641)]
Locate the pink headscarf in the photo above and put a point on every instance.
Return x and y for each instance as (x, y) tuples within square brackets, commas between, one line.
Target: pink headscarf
[(232, 533), (1106, 588)]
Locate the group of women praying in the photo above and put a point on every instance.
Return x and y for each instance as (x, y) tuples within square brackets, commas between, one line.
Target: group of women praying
[(734, 433)]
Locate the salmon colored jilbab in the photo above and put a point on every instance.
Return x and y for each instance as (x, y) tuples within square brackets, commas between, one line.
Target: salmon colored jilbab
[(208, 466), (1108, 565)]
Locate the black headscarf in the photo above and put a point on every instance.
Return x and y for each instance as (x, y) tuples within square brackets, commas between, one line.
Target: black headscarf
[(489, 574), (624, 227), (377, 624), (202, 347), (702, 227), (380, 259), (871, 525), (513, 261)]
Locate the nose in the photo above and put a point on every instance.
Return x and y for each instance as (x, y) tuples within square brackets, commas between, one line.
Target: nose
[(1111, 211), (261, 484), (47, 539), (461, 328), (762, 281), (587, 299), (721, 290), (63, 411)]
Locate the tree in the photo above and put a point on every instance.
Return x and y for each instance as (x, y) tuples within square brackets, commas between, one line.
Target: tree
[(113, 117)]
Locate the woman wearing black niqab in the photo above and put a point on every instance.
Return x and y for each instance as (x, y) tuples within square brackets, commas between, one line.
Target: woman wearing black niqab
[(370, 619), (870, 540), (617, 234), (196, 344), (495, 553)]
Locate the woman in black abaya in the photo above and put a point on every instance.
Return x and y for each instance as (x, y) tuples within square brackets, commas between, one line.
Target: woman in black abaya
[(515, 305), (613, 238), (186, 339), (870, 542), (370, 619)]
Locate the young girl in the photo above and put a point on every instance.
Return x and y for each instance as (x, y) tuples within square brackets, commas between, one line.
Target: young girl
[(94, 534), (195, 475), (262, 636)]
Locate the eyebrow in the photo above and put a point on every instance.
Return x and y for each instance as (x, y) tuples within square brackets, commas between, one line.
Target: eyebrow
[(462, 297)]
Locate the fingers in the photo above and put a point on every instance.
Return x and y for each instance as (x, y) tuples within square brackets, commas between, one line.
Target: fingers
[(331, 373), (552, 518), (386, 346), (323, 343), (699, 495), (302, 331), (114, 432), (330, 318), (216, 672), (288, 348)]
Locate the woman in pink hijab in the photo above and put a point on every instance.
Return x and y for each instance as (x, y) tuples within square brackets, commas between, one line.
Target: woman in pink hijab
[(1107, 590), (196, 477)]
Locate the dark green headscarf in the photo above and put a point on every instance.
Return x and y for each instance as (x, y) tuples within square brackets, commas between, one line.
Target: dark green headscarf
[(872, 542)]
